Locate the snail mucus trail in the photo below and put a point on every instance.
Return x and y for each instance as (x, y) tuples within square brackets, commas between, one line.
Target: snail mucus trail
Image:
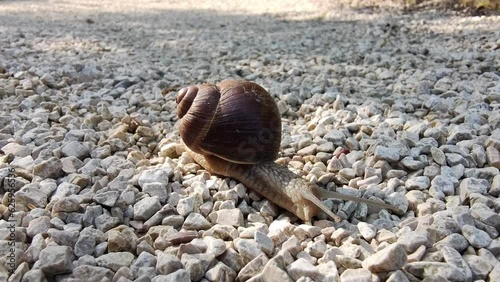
[(233, 129)]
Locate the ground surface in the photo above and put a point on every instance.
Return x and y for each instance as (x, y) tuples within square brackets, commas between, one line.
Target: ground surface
[(103, 190)]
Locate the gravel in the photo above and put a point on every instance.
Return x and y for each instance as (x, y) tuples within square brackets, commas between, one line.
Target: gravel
[(401, 107)]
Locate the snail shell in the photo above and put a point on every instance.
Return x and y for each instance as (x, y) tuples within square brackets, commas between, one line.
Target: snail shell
[(237, 121)]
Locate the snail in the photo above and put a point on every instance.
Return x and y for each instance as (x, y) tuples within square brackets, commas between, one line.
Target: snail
[(233, 129)]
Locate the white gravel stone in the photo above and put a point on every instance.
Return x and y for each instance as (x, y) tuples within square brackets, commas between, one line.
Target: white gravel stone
[(391, 258), (368, 231), (302, 268)]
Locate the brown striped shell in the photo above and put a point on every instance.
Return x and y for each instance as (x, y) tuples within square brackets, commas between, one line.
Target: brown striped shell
[(234, 120)]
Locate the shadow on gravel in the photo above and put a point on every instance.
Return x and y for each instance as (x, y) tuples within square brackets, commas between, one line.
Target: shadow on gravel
[(175, 38)]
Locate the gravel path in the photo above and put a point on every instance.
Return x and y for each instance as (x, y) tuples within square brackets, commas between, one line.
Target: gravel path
[(96, 187)]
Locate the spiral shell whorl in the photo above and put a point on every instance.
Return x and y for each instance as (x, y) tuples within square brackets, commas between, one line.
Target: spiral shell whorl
[(235, 120)]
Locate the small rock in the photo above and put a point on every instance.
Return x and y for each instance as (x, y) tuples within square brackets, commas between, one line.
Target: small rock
[(356, 275), (167, 263), (193, 266), (453, 257), (493, 157), (144, 259), (56, 260), (38, 226), (302, 267), (412, 240), (85, 245), (472, 185), (179, 275), (265, 243), (70, 204), (417, 183), (438, 156), (36, 275), (459, 133), (317, 249), (196, 221), (187, 205), (114, 261), (386, 154), (479, 266), (495, 186), (75, 149), (444, 184), (214, 246), (273, 271), (51, 168), (476, 237), (412, 164), (156, 189), (232, 259), (89, 273), (253, 268), (155, 175), (390, 258), (455, 241), (247, 249), (494, 274), (232, 217), (220, 272), (107, 198), (423, 269), (48, 80), (16, 150), (146, 207), (368, 231), (292, 245)]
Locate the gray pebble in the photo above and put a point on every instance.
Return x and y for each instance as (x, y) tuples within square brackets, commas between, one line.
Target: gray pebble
[(106, 198), (51, 168), (179, 275), (38, 225), (479, 266), (146, 207), (187, 205), (85, 245), (444, 270), (412, 240), (476, 237), (232, 217), (56, 260), (472, 185), (214, 246), (356, 275), (196, 221), (418, 183), (114, 261), (390, 258), (89, 272), (300, 268), (75, 149), (193, 266), (265, 243), (247, 249), (387, 154), (220, 272)]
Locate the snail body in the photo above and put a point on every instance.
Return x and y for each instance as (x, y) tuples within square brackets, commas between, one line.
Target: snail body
[(233, 129)]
